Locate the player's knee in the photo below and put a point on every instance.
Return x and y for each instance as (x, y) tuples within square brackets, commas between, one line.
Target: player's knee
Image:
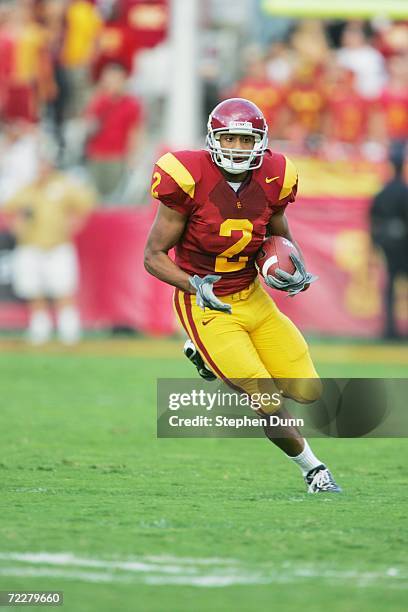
[(302, 390)]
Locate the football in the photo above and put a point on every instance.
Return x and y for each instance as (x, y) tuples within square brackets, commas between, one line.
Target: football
[(275, 253)]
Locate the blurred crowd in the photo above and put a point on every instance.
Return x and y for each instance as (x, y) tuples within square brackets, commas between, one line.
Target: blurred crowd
[(83, 82), (337, 89), (64, 76), (69, 133), (79, 71)]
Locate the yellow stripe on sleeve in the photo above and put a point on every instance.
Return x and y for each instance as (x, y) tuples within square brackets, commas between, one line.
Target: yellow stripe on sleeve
[(179, 173), (289, 180)]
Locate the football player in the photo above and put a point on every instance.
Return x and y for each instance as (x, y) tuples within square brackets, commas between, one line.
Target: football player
[(216, 207)]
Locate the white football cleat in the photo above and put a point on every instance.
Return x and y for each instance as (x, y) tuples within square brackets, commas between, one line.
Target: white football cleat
[(194, 356), (320, 480)]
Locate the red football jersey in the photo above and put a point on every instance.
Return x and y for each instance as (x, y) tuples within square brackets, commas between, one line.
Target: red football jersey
[(266, 95), (225, 228), (348, 114), (395, 107), (306, 102), (117, 117)]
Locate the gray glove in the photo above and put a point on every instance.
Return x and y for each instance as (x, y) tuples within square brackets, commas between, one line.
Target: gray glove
[(292, 283), (205, 295)]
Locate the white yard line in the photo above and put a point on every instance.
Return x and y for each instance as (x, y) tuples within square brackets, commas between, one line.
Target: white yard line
[(202, 572)]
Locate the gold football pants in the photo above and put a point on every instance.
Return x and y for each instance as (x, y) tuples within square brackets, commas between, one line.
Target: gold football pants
[(256, 341)]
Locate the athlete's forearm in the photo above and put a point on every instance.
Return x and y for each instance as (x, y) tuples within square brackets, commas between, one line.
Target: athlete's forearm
[(279, 226), (162, 267), (299, 250)]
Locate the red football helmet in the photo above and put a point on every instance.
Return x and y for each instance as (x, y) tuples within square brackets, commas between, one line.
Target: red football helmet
[(237, 116)]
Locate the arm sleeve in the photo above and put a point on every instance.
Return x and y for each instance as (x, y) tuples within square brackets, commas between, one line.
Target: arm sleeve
[(168, 192)]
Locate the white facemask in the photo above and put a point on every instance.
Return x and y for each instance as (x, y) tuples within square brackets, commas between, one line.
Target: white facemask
[(224, 158)]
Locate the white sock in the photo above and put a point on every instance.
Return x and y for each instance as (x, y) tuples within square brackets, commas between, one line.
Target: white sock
[(40, 327), (68, 325), (306, 460)]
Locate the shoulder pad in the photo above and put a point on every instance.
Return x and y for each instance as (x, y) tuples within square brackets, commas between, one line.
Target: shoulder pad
[(184, 167), (290, 178)]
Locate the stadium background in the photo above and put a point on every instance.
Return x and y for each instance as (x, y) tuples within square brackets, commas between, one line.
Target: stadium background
[(92, 501)]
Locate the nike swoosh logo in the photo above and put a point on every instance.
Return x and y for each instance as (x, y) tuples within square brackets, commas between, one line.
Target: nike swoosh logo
[(269, 180), (208, 321)]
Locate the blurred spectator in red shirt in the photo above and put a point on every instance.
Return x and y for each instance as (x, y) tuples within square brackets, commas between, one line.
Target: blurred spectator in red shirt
[(256, 87), (306, 103), (347, 112), (25, 64), (116, 44), (114, 122), (132, 25), (148, 20), (392, 105)]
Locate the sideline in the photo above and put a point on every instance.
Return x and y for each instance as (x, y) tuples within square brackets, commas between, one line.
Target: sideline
[(199, 572), (172, 349)]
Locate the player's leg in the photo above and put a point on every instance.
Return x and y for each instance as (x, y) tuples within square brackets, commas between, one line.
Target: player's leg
[(223, 342), (28, 284), (61, 275), (285, 354), (283, 350), (227, 347), (226, 341)]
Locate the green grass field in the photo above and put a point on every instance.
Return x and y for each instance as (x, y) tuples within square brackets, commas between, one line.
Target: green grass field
[(94, 505)]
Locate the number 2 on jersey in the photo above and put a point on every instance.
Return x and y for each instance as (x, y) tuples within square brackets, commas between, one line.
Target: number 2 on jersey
[(226, 228), (156, 182)]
